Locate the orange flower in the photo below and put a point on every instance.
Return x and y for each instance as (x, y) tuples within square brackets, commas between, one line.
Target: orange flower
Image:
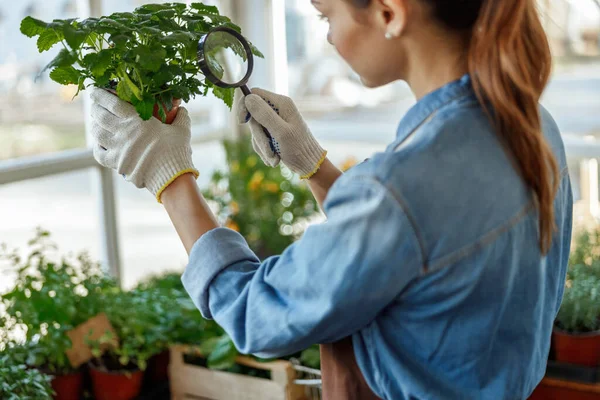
[(271, 187), (348, 163), (256, 181), (232, 225), (235, 208)]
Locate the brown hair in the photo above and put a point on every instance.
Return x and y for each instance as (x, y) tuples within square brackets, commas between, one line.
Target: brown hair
[(510, 63)]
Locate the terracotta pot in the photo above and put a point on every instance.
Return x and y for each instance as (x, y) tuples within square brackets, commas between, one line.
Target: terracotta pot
[(158, 367), (581, 349), (116, 385), (170, 114), (67, 387)]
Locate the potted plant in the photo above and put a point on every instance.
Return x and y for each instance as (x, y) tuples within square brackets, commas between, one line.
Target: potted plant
[(117, 373), (180, 322), (147, 57), (49, 298), (268, 206), (576, 336), (19, 382)]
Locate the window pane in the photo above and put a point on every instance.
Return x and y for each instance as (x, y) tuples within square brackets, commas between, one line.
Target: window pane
[(62, 204), (36, 114)]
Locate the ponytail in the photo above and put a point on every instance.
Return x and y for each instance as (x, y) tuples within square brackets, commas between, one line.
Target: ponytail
[(510, 64)]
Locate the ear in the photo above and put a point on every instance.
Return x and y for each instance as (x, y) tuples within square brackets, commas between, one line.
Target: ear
[(392, 16)]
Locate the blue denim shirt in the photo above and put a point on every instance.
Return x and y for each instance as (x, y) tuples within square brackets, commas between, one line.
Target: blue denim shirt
[(429, 259)]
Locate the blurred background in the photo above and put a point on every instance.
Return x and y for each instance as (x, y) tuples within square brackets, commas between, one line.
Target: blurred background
[(47, 175)]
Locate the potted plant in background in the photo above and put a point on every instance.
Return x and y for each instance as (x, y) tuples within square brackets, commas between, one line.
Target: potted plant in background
[(49, 298), (147, 57), (17, 382), (576, 336), (266, 205), (117, 373)]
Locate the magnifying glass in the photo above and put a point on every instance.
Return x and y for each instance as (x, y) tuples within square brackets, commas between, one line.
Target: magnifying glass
[(226, 59)]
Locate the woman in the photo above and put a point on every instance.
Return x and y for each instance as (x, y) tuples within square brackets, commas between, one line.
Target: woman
[(441, 267)]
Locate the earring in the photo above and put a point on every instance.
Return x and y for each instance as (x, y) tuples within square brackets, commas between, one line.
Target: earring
[(388, 35)]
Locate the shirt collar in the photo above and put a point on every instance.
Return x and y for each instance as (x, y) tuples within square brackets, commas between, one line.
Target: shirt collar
[(430, 103)]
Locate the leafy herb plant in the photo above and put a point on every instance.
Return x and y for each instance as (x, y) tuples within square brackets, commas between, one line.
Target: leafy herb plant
[(580, 308), (147, 56), (17, 382)]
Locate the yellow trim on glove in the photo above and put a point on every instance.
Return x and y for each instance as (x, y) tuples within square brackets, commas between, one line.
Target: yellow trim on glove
[(314, 171), (177, 175)]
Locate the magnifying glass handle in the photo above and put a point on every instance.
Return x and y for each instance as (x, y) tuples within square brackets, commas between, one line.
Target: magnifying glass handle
[(246, 92)]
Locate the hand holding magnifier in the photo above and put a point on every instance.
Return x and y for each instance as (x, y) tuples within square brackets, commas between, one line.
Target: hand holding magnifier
[(226, 59)]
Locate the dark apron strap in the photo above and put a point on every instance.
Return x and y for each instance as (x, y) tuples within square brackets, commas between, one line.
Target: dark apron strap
[(342, 379)]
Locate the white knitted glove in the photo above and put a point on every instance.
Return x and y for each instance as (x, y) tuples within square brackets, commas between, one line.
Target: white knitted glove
[(296, 145), (149, 153)]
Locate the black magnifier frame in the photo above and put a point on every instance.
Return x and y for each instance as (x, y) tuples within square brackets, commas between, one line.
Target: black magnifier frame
[(207, 71), (242, 83)]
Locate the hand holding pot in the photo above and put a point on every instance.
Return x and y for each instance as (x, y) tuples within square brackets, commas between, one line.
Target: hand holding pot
[(149, 154), (296, 145)]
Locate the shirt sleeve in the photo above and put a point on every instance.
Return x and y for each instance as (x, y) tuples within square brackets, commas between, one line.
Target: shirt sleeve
[(331, 283)]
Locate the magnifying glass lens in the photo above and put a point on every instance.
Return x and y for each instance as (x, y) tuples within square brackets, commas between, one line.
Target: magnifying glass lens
[(226, 57)]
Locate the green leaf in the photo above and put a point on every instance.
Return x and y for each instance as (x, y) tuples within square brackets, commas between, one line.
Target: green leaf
[(256, 51), (162, 114), (49, 38), (65, 75), (65, 58), (124, 92), (224, 354), (151, 58), (98, 63), (145, 107), (311, 357), (151, 31), (208, 10), (151, 8), (120, 39), (119, 27), (165, 75), (209, 345), (167, 14), (74, 37), (31, 27), (178, 38), (132, 87), (226, 95)]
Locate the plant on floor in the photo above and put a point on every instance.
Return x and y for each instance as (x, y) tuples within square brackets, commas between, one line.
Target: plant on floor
[(580, 308), (182, 323), (148, 56), (17, 382), (51, 296), (136, 318), (266, 205)]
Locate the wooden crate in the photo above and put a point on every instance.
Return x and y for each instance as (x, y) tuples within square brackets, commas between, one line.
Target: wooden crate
[(198, 383), (556, 389)]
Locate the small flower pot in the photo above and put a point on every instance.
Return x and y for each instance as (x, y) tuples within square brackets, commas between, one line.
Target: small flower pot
[(118, 385), (68, 386), (577, 348), (158, 367), (171, 115)]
